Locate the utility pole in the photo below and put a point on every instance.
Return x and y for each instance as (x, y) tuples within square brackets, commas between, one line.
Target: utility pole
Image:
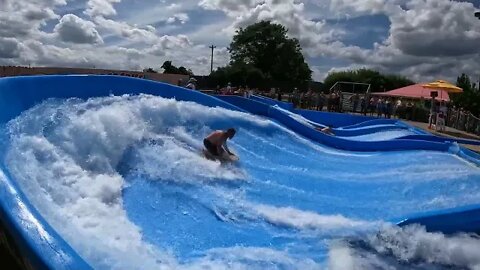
[(211, 59)]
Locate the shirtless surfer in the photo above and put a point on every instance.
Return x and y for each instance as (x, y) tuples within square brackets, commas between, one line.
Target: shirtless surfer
[(216, 143), (326, 130)]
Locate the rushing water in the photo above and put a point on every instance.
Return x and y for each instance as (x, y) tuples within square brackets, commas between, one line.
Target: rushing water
[(122, 179)]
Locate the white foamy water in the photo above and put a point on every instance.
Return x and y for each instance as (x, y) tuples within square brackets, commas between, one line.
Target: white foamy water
[(306, 220), (382, 135), (68, 157), (407, 248), (65, 155)]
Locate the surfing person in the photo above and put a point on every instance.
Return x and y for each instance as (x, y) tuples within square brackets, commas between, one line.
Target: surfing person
[(216, 143), (326, 130)]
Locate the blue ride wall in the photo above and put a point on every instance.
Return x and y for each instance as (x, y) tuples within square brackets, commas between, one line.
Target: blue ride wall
[(45, 249), (254, 106), (333, 120), (463, 219)]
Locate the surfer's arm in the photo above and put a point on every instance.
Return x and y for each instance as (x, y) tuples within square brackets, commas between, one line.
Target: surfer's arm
[(226, 149)]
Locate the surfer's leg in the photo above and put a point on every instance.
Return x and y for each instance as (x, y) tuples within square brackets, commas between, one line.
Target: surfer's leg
[(212, 149)]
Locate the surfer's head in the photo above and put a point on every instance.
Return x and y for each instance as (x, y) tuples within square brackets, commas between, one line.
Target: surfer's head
[(231, 132)]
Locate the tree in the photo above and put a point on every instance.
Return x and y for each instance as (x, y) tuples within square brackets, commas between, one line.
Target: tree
[(149, 70), (379, 82), (169, 68), (470, 98), (266, 47), (239, 74)]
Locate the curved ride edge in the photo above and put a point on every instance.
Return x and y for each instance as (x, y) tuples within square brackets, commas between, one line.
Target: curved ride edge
[(350, 145), (469, 155), (433, 138), (260, 108), (35, 89), (461, 219), (249, 105), (272, 102), (333, 119), (347, 132), (37, 240), (464, 219), (372, 122)]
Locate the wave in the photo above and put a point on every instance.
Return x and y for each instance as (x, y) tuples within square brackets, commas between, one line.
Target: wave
[(76, 159)]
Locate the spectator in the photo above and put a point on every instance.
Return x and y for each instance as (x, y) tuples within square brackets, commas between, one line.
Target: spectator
[(296, 98), (397, 108), (338, 101), (441, 117), (409, 111), (228, 90), (388, 108), (372, 105), (308, 99), (363, 106), (354, 101), (380, 107), (191, 84)]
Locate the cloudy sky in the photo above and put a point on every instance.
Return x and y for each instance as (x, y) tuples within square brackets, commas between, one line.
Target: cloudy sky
[(421, 39)]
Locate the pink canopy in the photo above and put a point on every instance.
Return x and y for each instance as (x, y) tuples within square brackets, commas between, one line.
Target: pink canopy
[(415, 91)]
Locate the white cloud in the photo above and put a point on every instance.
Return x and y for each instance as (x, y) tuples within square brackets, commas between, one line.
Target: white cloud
[(231, 7), (180, 17), (347, 8), (426, 39), (127, 31), (9, 48), (76, 30), (101, 8), (39, 14), (21, 18), (165, 43), (435, 28)]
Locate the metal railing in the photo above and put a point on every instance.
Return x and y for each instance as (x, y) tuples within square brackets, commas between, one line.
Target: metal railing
[(464, 121)]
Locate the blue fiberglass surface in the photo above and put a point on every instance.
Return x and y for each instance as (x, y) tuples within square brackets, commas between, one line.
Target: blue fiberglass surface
[(122, 180)]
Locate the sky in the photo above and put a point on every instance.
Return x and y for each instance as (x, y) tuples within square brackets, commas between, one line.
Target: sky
[(421, 39)]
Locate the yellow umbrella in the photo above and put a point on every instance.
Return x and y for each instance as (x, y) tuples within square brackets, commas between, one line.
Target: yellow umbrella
[(443, 85)]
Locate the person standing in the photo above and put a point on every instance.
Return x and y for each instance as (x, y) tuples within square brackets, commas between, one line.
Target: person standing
[(354, 101), (441, 117), (380, 107), (191, 84), (363, 106), (388, 108)]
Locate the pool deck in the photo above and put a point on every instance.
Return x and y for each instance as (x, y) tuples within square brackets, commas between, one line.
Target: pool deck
[(450, 133)]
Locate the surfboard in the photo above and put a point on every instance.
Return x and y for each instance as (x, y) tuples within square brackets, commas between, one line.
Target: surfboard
[(224, 158)]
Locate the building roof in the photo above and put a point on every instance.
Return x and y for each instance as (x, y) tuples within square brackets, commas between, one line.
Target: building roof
[(416, 91)]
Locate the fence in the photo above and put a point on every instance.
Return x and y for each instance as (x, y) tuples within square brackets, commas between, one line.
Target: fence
[(464, 121)]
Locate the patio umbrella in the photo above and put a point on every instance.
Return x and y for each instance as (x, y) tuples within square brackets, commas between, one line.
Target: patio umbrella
[(440, 85), (443, 85)]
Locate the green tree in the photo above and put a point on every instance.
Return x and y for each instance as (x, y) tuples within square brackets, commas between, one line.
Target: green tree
[(470, 98), (379, 82), (169, 68), (239, 74), (266, 47), (149, 70)]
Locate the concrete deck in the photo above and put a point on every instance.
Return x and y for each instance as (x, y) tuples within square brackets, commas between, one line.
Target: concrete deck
[(450, 133)]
